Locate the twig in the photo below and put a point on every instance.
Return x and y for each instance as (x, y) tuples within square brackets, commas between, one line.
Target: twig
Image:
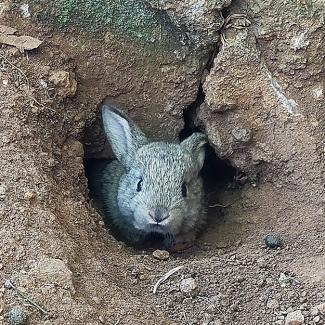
[(165, 277), (118, 322), (10, 285), (18, 69), (26, 78)]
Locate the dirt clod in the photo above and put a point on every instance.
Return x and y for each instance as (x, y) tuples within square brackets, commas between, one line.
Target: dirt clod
[(189, 287), (65, 83), (161, 254), (295, 318), (18, 316)]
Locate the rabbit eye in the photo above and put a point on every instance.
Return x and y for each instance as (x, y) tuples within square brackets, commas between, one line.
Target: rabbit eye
[(139, 186), (184, 189)]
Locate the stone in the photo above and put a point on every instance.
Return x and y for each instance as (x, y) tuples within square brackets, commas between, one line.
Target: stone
[(273, 241), (321, 308), (65, 83), (161, 255), (53, 270), (295, 318), (3, 191), (189, 287), (314, 311), (18, 316), (272, 304)]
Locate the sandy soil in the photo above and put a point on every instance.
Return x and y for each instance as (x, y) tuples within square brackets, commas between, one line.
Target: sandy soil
[(56, 250)]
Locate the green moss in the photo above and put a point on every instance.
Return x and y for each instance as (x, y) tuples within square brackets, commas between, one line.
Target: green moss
[(131, 17), (130, 20)]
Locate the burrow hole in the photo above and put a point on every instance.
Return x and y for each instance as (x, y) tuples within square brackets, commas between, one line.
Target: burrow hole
[(218, 174)]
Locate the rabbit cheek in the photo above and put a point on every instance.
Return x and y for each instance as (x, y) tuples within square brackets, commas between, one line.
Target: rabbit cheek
[(141, 221), (174, 223)]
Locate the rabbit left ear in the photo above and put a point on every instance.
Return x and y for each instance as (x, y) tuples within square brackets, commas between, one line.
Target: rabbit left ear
[(195, 144), (125, 137)]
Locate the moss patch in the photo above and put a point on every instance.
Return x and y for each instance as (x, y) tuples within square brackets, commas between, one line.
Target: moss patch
[(135, 21)]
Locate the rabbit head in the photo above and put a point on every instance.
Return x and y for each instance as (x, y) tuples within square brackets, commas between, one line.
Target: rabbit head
[(161, 190)]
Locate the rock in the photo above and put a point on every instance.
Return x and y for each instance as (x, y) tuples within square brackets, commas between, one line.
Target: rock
[(321, 308), (2, 192), (211, 309), (189, 287), (262, 263), (273, 241), (161, 255), (73, 148), (314, 311), (285, 280), (272, 304), (8, 284), (18, 316), (241, 134), (29, 195), (66, 85), (316, 319), (53, 270), (295, 318)]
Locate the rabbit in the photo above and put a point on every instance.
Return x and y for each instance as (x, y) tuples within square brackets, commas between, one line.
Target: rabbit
[(154, 187)]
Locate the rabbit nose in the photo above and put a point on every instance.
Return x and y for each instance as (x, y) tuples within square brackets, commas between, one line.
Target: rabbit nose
[(159, 214)]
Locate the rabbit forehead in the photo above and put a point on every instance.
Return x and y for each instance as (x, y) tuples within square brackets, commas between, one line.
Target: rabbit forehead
[(166, 158)]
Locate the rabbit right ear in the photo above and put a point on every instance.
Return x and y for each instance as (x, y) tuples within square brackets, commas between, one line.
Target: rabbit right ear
[(124, 136)]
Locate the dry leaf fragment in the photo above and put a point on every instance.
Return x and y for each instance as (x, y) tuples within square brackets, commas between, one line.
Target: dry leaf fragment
[(7, 30), (21, 42)]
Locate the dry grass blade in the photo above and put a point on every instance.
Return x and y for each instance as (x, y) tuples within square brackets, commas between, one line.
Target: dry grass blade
[(165, 277), (16, 68), (9, 284)]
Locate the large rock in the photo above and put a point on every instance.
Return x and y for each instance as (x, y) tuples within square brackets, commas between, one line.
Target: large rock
[(264, 96)]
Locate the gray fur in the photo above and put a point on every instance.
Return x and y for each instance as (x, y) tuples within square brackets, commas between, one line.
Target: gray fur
[(163, 167)]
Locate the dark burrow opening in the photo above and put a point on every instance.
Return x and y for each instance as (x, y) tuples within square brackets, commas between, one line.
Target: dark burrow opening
[(218, 174)]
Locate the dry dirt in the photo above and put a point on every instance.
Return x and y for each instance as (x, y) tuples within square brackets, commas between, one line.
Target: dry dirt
[(55, 248)]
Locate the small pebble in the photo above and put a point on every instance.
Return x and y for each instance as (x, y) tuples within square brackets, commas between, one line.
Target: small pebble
[(8, 284), (316, 319), (321, 308), (211, 309), (17, 316), (314, 311), (272, 304), (189, 287), (273, 241), (295, 318), (161, 255)]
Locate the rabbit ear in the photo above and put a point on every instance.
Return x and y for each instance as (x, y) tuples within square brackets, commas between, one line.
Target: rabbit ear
[(124, 136), (195, 144)]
